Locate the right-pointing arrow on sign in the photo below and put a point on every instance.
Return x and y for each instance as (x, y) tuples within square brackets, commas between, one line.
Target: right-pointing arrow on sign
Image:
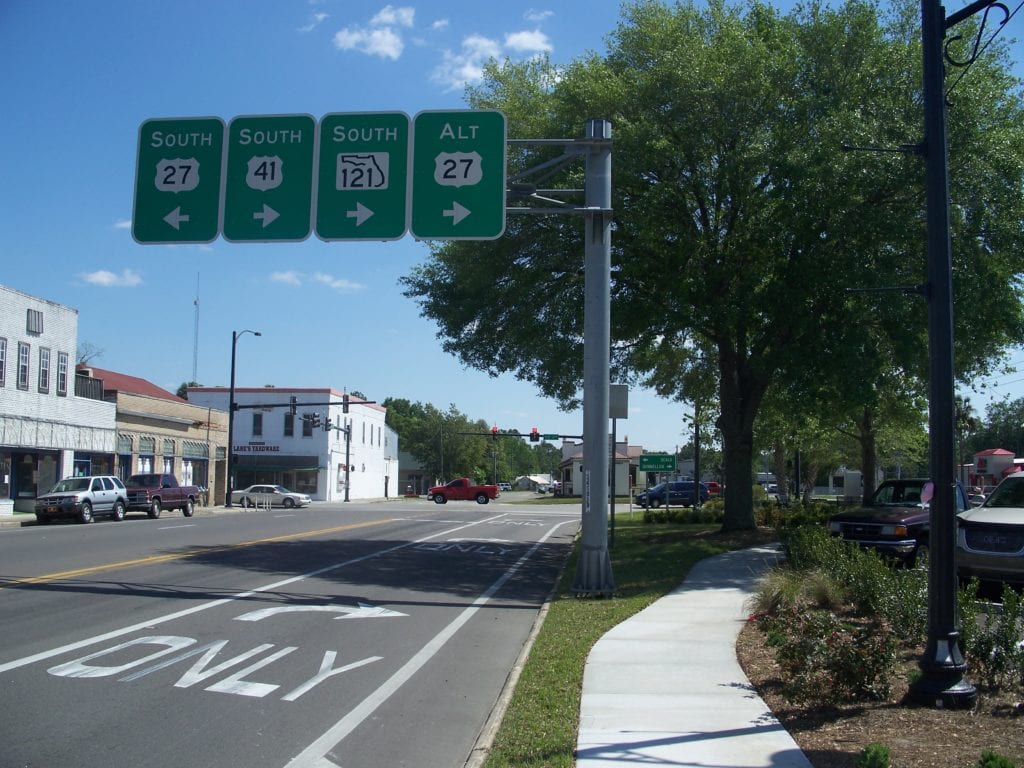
[(360, 214), (457, 212), (268, 215)]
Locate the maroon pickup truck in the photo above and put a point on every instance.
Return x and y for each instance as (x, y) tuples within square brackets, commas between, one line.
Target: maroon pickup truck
[(462, 489), (153, 493)]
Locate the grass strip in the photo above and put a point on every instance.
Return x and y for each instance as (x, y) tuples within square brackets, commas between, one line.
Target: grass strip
[(648, 561)]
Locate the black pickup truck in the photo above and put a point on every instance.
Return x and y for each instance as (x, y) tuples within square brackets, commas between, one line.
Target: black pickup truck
[(153, 493), (896, 523)]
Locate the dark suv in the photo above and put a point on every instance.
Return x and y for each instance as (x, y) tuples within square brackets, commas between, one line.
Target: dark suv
[(680, 493), (895, 523), (83, 498)]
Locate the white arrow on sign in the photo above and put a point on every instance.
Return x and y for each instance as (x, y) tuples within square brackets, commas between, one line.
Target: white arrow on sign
[(175, 217), (268, 214), (360, 214), (457, 212), (364, 611)]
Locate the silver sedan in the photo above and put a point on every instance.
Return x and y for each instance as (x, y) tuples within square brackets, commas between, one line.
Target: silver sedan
[(269, 496)]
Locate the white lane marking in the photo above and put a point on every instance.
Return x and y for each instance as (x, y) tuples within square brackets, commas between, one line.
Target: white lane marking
[(175, 527), (315, 755), (150, 623), (362, 611)]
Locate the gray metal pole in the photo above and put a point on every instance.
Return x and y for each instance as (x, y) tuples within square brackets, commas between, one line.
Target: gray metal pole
[(594, 569), (942, 683)]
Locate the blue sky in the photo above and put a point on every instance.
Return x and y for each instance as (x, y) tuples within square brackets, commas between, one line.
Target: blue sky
[(80, 79)]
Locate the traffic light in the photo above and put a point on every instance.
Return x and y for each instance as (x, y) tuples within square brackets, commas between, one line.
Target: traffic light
[(494, 432), (313, 419), (534, 435), (344, 403), (328, 425), (293, 402)]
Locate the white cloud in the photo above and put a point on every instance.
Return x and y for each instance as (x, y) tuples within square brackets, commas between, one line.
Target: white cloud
[(106, 279), (532, 42), (457, 69), (338, 283), (391, 16), (534, 16), (315, 20), (384, 42), (123, 224), (439, 24), (289, 277)]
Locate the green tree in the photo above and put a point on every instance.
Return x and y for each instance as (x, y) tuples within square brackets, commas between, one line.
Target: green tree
[(739, 222)]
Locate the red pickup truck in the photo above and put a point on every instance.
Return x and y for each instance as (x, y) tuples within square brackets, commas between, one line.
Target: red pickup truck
[(153, 493), (462, 489)]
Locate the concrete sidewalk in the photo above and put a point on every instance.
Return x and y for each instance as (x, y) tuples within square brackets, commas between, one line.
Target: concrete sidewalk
[(664, 687)]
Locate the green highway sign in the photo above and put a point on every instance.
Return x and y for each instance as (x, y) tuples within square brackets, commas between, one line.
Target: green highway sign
[(458, 175), (362, 189), (268, 188), (551, 437), (657, 462), (177, 180)]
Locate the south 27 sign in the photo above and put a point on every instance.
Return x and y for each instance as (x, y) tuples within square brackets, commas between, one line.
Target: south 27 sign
[(350, 176)]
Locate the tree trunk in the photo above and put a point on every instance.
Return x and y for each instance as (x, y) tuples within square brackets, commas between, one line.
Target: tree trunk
[(740, 395), (868, 466)]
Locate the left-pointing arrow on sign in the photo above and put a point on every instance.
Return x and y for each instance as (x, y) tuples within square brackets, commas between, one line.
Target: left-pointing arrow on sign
[(363, 611), (268, 214), (175, 217)]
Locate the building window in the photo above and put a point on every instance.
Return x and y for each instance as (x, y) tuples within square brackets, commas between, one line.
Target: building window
[(23, 352), (34, 322), (62, 374), (289, 425), (307, 427), (3, 362), (257, 425), (44, 370)]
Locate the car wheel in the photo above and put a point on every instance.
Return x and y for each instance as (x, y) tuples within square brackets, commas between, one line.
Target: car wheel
[(920, 557), (85, 514), (289, 503), (481, 498), (439, 498), (155, 508), (246, 502), (189, 509), (42, 519), (117, 514)]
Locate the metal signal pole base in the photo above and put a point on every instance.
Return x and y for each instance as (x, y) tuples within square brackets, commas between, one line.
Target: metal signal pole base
[(594, 573), (942, 684)]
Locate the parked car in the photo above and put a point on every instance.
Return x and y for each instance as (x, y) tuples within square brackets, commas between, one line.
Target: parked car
[(275, 495), (895, 523), (990, 538), (83, 498), (714, 488), (504, 486), (680, 493)]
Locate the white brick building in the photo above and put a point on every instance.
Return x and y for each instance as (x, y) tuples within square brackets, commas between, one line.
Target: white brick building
[(51, 425), (273, 446)]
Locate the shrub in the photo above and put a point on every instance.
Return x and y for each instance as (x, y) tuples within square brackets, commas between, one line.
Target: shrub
[(874, 756), (992, 641), (990, 759)]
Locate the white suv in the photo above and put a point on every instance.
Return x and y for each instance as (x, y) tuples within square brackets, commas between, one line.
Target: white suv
[(83, 498)]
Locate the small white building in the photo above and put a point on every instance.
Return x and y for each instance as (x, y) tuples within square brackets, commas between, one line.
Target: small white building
[(348, 456), (52, 425)]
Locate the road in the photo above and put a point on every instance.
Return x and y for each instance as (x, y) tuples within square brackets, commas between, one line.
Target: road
[(351, 635)]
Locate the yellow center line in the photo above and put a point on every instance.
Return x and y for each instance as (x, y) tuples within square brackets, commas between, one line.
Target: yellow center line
[(153, 559)]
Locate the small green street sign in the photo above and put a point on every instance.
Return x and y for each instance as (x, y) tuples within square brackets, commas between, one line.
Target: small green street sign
[(362, 189), (657, 462), (458, 175), (551, 437), (177, 180), (268, 189)]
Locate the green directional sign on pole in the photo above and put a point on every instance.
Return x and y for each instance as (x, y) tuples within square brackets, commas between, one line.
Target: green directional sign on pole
[(458, 176), (657, 462), (268, 189), (362, 187), (177, 180)]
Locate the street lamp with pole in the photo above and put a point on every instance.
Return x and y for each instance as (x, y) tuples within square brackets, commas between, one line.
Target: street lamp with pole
[(235, 335)]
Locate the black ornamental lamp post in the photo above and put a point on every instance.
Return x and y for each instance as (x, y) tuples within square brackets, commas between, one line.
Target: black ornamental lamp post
[(235, 335)]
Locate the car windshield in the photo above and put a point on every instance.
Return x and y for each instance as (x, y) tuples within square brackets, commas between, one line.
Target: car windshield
[(1010, 493), (70, 484), (906, 494)]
